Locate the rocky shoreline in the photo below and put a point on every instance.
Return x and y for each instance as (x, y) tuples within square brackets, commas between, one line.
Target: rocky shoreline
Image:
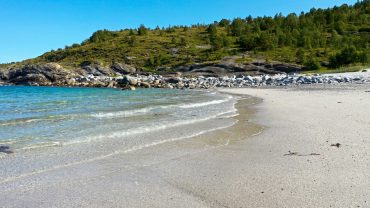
[(127, 77)]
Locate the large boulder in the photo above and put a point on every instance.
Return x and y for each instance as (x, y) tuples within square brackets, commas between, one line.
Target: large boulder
[(174, 80), (123, 68), (32, 79), (4, 74), (127, 80), (97, 70), (145, 84)]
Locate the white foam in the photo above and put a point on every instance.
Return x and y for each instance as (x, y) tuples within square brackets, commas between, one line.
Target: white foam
[(196, 105), (32, 120), (41, 145), (142, 130), (126, 113), (143, 111)]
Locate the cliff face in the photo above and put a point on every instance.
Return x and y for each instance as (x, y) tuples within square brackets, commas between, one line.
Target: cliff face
[(46, 74)]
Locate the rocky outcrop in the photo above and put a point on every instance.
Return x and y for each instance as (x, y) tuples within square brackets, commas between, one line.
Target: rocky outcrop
[(123, 68), (97, 70), (252, 69), (45, 74)]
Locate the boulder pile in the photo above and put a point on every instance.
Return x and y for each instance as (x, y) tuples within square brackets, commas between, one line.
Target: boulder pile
[(200, 82), (128, 78)]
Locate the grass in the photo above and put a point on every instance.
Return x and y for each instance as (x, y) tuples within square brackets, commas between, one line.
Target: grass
[(351, 68)]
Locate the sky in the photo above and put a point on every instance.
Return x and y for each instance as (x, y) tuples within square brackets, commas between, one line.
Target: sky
[(29, 28)]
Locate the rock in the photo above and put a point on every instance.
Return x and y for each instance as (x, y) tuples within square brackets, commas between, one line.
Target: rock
[(97, 70), (111, 84), (364, 70), (156, 82), (132, 81), (145, 84), (41, 74), (173, 80), (128, 80), (5, 149), (180, 85), (169, 86), (71, 82), (128, 87), (123, 68)]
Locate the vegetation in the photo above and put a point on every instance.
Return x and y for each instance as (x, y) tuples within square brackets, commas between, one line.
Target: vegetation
[(329, 38)]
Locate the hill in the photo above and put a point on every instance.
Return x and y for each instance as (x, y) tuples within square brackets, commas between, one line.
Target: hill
[(318, 39)]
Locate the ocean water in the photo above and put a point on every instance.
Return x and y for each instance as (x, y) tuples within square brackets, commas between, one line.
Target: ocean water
[(35, 118)]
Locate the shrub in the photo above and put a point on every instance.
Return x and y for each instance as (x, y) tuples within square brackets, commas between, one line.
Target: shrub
[(312, 64)]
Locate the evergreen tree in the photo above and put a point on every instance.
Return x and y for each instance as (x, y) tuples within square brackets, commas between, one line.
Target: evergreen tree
[(142, 30), (224, 23), (237, 27)]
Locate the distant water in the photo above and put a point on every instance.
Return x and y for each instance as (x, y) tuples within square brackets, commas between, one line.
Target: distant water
[(42, 117)]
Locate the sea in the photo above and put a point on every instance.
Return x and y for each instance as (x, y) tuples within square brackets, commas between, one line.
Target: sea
[(38, 118)]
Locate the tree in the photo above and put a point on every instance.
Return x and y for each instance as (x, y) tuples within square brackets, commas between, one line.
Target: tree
[(348, 55), (102, 35), (339, 27), (132, 41), (248, 42), (216, 42), (226, 41), (237, 27), (224, 23), (174, 40), (249, 19), (312, 64), (131, 32), (142, 30), (300, 55), (266, 41), (212, 30), (183, 41)]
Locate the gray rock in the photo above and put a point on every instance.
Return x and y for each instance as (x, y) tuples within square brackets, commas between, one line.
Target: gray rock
[(145, 84), (173, 80), (123, 68), (97, 70), (127, 80)]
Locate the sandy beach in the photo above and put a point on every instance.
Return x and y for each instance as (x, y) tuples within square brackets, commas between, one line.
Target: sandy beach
[(297, 147)]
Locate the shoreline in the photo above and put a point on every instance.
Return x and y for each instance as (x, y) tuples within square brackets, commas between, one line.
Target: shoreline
[(291, 163), (134, 81)]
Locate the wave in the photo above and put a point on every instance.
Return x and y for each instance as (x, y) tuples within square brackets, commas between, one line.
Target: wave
[(143, 111), (126, 113), (196, 105), (34, 119), (41, 145), (142, 130), (131, 132)]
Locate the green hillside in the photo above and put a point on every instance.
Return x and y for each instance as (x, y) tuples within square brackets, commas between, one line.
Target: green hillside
[(320, 38)]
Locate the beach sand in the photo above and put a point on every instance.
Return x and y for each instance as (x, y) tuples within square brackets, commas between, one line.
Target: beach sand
[(279, 154)]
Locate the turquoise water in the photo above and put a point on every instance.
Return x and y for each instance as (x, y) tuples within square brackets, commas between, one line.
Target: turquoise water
[(39, 117)]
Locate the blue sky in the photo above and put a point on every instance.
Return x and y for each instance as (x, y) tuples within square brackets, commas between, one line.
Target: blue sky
[(31, 27)]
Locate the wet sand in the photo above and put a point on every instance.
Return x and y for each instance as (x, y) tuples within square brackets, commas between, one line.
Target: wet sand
[(279, 154)]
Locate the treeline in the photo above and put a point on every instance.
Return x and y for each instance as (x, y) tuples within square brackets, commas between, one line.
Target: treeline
[(344, 30), (331, 37)]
